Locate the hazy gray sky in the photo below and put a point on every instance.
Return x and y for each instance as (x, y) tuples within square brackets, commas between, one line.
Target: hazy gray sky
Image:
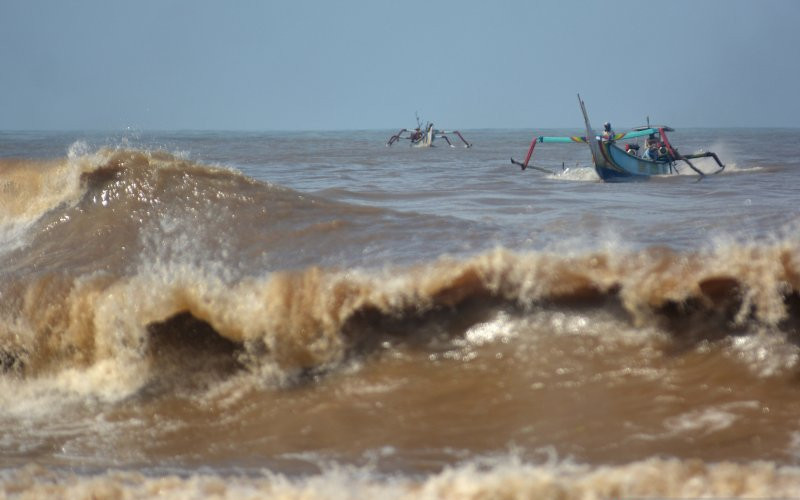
[(322, 65)]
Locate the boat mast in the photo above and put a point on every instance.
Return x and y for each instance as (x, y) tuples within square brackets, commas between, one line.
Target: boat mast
[(591, 138)]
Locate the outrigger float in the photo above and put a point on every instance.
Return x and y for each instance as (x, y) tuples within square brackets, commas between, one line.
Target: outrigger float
[(614, 164), (424, 137)]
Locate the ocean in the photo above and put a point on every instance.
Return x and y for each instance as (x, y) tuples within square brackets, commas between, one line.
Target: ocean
[(317, 315)]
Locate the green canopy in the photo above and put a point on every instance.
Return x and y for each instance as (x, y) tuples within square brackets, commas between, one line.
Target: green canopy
[(617, 137)]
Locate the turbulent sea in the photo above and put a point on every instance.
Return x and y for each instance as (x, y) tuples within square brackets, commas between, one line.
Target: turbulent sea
[(316, 315)]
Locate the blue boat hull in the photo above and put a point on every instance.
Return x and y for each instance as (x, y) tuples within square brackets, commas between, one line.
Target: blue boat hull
[(615, 165)]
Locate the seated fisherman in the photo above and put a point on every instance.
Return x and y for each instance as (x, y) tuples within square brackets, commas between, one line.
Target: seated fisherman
[(651, 148)]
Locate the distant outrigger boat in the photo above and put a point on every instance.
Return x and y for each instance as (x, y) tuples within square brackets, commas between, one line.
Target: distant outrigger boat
[(614, 164), (424, 137)]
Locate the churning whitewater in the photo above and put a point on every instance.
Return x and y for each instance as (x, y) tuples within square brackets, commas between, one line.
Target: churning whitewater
[(290, 314)]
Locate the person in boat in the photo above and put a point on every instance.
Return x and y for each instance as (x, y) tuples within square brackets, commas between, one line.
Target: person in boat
[(651, 147), (416, 135), (608, 132), (663, 153)]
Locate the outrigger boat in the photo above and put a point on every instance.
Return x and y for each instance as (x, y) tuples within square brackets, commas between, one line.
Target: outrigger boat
[(614, 164), (423, 137)]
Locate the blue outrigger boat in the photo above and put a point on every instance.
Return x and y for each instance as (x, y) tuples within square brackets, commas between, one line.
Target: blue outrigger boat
[(615, 164)]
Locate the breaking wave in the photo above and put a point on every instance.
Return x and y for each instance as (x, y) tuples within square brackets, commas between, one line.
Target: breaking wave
[(507, 478), (121, 256)]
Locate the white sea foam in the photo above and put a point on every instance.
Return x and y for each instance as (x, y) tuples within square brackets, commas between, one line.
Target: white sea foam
[(509, 478), (576, 173)]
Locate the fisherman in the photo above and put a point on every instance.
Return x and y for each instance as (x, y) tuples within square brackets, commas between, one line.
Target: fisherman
[(608, 132), (651, 147)]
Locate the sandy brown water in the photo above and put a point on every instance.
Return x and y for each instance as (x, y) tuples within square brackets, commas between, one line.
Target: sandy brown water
[(315, 314)]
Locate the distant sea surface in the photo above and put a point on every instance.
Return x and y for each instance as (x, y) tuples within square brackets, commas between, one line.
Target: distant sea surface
[(317, 315)]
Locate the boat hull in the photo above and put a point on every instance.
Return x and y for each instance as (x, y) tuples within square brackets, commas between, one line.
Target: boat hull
[(426, 140), (615, 165)]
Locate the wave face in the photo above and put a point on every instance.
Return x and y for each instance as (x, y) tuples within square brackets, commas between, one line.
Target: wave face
[(141, 240), (178, 314)]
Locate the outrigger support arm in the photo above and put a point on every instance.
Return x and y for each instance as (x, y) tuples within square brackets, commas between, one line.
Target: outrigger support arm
[(396, 137), (466, 144), (693, 167), (678, 156), (443, 135), (706, 155), (525, 165), (573, 139), (674, 152)]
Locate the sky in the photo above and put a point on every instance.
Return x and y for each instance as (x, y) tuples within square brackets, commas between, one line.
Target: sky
[(374, 64)]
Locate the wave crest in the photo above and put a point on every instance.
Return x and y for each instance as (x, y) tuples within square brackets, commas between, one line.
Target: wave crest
[(314, 319)]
